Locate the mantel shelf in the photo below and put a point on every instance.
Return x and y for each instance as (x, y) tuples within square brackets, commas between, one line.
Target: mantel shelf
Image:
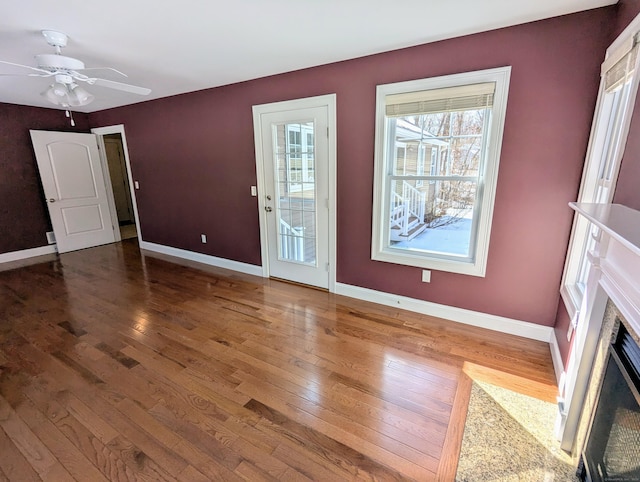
[(620, 222)]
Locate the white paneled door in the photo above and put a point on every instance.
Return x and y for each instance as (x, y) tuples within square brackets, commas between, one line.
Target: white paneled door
[(293, 152), (74, 186)]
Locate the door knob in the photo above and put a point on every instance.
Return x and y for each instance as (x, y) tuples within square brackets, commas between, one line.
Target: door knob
[(268, 209), (51, 200)]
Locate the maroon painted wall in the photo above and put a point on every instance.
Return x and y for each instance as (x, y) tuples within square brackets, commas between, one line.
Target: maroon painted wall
[(626, 11), (24, 219), (627, 192), (194, 157)]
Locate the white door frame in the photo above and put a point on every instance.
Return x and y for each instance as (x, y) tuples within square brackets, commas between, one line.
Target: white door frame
[(328, 101), (117, 129)]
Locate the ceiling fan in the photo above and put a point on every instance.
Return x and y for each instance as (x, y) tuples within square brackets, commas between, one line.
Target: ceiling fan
[(66, 71)]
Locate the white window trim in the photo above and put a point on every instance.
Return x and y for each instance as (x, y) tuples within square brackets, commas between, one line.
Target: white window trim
[(486, 185), (569, 291)]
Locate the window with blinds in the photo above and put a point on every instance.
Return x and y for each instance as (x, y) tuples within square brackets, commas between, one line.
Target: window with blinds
[(618, 89), (438, 217)]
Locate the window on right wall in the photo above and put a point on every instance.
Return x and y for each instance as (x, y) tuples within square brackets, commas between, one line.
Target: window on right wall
[(616, 98)]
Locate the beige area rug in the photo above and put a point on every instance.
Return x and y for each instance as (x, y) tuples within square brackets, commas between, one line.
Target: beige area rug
[(509, 437)]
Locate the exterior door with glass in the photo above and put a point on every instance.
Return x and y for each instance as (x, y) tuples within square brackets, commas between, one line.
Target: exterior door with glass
[(292, 151)]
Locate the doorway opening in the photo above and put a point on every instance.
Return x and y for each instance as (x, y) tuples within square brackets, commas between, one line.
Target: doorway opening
[(114, 153), (117, 167)]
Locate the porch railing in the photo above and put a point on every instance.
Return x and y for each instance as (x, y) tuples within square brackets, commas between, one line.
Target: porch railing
[(411, 204), (291, 242)]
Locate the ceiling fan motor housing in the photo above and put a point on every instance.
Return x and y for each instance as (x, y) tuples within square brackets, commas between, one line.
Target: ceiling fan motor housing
[(58, 62)]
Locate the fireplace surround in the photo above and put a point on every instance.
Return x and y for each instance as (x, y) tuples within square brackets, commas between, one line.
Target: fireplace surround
[(612, 448), (611, 299)]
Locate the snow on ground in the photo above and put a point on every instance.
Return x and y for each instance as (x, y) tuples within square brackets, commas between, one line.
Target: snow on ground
[(453, 238)]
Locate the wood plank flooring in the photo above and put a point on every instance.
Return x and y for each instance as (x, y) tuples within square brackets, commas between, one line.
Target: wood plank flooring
[(121, 366)]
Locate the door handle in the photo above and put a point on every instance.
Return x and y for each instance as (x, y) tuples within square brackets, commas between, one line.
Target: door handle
[(268, 209), (51, 200)]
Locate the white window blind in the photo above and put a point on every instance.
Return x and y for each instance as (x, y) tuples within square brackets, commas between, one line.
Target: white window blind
[(618, 68), (450, 99)]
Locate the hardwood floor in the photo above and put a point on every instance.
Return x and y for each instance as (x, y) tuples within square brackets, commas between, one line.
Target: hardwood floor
[(117, 366)]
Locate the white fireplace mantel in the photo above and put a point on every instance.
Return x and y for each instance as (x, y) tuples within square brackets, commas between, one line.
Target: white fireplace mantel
[(614, 274), (617, 254)]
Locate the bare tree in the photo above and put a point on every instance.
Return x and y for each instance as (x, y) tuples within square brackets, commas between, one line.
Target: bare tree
[(462, 130)]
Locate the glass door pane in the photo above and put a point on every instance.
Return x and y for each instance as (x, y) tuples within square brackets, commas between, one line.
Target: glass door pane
[(296, 192)]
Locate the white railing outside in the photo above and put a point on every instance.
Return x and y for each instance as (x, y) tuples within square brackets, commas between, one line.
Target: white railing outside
[(291, 242), (415, 199), (411, 203)]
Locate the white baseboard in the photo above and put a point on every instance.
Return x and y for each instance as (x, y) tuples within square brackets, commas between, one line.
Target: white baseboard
[(27, 253), (203, 258), (556, 357), (468, 317), (460, 315)]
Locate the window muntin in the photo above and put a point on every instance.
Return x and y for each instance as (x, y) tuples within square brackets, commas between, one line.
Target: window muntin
[(437, 152), (296, 192), (299, 156)]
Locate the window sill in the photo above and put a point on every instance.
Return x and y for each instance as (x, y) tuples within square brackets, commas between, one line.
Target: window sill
[(460, 267)]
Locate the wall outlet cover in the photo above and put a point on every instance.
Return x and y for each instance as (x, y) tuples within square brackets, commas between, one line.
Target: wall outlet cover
[(51, 237)]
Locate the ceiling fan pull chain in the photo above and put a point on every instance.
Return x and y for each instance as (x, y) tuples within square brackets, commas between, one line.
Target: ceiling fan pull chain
[(69, 114)]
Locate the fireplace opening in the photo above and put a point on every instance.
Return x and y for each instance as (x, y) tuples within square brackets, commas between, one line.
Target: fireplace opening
[(612, 450)]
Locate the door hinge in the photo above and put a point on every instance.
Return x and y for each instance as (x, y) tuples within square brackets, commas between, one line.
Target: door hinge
[(327, 133), (327, 267)]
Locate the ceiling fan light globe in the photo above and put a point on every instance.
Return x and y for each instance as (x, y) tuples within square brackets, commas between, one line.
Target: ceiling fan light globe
[(78, 96), (55, 95), (59, 89)]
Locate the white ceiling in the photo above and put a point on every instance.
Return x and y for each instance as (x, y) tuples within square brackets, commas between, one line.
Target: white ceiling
[(177, 47)]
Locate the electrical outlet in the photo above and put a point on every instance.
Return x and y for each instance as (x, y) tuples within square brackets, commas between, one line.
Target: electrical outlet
[(51, 237), (203, 238), (426, 276)]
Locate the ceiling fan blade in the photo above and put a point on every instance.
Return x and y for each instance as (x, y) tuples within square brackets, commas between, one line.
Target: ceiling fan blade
[(105, 68), (134, 89), (25, 67)]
